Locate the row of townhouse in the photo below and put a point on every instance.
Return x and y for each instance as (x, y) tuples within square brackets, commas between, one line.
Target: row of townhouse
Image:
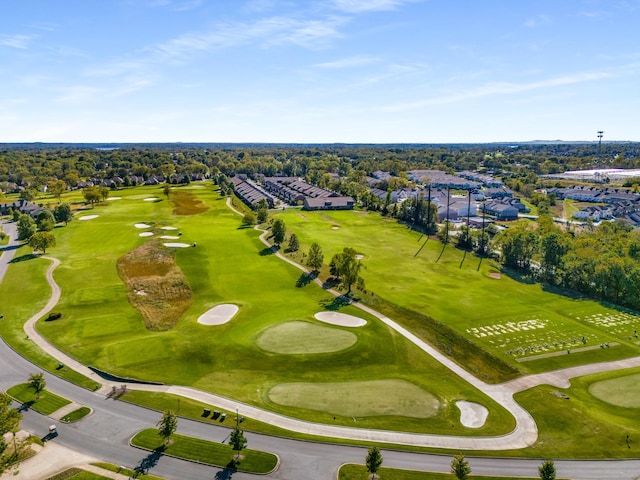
[(249, 192), (296, 191), (594, 194), (440, 179), (481, 178)]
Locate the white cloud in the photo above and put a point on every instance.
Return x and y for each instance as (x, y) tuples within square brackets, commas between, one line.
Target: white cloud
[(538, 21), (361, 6), (16, 41), (500, 88), (349, 62)]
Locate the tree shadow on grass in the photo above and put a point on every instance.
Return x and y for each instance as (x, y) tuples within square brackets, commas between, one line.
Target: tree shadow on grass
[(521, 277), (6, 248), (24, 258), (149, 461), (336, 303), (304, 279), (266, 251)]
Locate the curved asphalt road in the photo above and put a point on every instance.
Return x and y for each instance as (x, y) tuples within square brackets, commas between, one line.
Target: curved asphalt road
[(105, 434)]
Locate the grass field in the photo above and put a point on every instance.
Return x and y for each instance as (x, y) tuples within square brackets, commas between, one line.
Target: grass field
[(620, 391), (45, 402), (510, 317), (359, 472), (205, 451), (230, 265)]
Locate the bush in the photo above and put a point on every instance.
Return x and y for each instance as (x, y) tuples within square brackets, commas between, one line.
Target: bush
[(53, 316)]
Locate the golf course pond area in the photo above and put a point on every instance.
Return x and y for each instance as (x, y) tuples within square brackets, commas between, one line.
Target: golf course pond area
[(219, 315)]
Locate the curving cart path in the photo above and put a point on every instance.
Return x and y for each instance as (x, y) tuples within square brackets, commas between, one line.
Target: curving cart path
[(524, 434)]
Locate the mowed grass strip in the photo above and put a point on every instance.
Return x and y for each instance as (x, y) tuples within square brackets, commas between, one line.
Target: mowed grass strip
[(359, 472), (359, 399), (205, 451), (76, 415), (304, 337), (45, 403), (77, 474), (156, 286), (126, 471)]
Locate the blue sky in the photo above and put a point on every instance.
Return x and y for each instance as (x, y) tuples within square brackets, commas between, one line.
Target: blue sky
[(354, 71)]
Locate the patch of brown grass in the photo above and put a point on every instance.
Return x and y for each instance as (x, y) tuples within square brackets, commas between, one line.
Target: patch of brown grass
[(156, 287), (186, 203)]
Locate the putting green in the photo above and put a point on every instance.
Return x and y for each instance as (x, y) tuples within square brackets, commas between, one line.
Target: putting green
[(622, 391), (359, 399), (303, 337)]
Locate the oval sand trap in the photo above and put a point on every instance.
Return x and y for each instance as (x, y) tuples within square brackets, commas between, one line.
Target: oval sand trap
[(218, 315), (146, 234), (176, 245), (169, 237), (340, 319), (114, 198), (142, 225), (88, 217), (472, 415), (304, 337), (168, 228), (151, 199)]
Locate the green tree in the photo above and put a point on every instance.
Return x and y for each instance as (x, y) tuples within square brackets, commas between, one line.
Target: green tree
[(63, 213), (278, 231), (237, 440), (315, 257), (26, 227), (9, 421), (518, 244), (294, 244), (249, 219), (373, 461), (554, 246), (547, 470), (262, 215), (40, 241), (346, 267), (460, 467), (91, 194), (28, 194), (56, 188), (104, 193), (37, 383), (166, 189), (167, 425), (45, 221)]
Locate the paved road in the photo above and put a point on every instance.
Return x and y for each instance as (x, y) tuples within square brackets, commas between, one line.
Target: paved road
[(8, 251)]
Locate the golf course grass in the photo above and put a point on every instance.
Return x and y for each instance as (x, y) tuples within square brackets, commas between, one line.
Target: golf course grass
[(304, 337), (512, 318), (621, 391), (359, 399), (359, 472), (101, 328)]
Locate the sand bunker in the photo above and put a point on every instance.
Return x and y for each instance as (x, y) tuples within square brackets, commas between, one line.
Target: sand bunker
[(359, 257), (88, 217), (168, 228), (142, 225), (219, 314), (114, 198), (169, 237), (176, 245), (472, 415), (151, 199), (146, 234), (340, 319)]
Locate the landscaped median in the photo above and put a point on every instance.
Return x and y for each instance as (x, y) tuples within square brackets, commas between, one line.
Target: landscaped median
[(206, 452), (44, 402), (358, 472)]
